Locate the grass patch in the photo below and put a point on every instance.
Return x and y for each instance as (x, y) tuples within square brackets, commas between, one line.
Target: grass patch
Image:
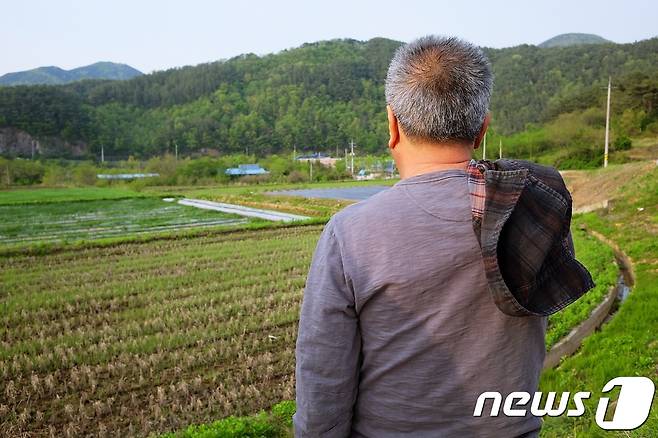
[(600, 261), (65, 194), (628, 344), (276, 423)]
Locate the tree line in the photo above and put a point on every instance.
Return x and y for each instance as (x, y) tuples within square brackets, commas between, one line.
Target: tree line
[(319, 96)]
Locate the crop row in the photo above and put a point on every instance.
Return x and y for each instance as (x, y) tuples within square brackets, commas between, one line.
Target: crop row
[(145, 337)]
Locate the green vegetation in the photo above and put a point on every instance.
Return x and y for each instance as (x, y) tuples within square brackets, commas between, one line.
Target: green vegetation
[(277, 423), (198, 171), (322, 95), (600, 261), (45, 219), (72, 221), (40, 195), (628, 344)]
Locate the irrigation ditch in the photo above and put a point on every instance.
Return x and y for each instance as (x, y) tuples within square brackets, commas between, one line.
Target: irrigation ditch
[(602, 313)]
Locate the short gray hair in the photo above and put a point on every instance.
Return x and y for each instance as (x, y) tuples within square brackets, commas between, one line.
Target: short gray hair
[(439, 89)]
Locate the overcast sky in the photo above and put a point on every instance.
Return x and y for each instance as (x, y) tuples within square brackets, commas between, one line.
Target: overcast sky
[(159, 34)]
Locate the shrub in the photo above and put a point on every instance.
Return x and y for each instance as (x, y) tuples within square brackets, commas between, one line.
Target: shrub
[(297, 177), (257, 426), (85, 175), (622, 143)]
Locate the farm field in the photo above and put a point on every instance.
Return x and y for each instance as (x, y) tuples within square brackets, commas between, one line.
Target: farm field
[(46, 216), (67, 221), (135, 338), (44, 194)]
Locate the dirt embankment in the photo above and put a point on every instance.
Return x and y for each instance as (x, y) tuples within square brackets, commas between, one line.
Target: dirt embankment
[(593, 189)]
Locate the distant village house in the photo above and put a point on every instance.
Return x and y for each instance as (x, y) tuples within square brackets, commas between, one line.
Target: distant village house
[(323, 159), (246, 169)]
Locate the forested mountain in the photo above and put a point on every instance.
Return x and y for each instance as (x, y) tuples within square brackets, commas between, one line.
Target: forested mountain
[(573, 39), (56, 75), (317, 97)]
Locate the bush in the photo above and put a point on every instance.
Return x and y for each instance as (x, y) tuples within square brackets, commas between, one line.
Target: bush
[(254, 179), (166, 166), (194, 170), (56, 175), (85, 175), (23, 172), (297, 177), (284, 411), (622, 143), (580, 158)]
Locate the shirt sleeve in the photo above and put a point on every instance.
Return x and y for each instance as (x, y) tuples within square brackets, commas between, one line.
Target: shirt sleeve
[(328, 346)]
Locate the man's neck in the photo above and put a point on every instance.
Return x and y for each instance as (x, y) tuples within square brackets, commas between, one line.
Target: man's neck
[(432, 167), (420, 159)]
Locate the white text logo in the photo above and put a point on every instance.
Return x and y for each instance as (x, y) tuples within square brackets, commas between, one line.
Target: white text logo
[(632, 409)]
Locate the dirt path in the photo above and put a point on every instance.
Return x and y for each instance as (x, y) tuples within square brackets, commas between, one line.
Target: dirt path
[(269, 215)]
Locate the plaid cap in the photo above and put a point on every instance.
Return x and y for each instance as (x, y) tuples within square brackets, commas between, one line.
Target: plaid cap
[(524, 234)]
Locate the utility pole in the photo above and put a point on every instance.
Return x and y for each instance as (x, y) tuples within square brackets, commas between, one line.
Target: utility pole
[(102, 154), (484, 148), (352, 153), (311, 170), (500, 149), (607, 125), (176, 149), (294, 151), (32, 143)]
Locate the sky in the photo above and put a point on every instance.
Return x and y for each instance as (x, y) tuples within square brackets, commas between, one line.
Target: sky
[(159, 34)]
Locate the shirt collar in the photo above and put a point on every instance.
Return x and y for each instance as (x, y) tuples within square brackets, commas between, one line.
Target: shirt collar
[(435, 175)]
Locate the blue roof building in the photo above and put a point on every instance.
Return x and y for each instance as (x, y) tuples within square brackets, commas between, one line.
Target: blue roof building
[(246, 169)]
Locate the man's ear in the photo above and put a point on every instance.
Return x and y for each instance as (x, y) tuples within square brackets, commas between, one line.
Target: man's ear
[(483, 130), (393, 128)]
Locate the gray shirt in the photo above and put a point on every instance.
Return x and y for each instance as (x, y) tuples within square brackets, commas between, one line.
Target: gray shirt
[(398, 333)]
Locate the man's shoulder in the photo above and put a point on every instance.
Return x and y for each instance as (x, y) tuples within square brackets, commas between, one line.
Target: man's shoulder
[(366, 211), (513, 164), (546, 174)]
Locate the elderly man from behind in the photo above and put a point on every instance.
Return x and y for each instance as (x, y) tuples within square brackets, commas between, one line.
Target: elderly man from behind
[(401, 327)]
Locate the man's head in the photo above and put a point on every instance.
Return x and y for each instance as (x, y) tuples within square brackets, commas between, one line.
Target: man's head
[(438, 91)]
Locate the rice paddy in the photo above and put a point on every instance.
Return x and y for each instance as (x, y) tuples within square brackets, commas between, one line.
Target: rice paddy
[(69, 221)]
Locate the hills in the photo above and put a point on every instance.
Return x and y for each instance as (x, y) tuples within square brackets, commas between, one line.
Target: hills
[(573, 39), (319, 96), (56, 75)]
